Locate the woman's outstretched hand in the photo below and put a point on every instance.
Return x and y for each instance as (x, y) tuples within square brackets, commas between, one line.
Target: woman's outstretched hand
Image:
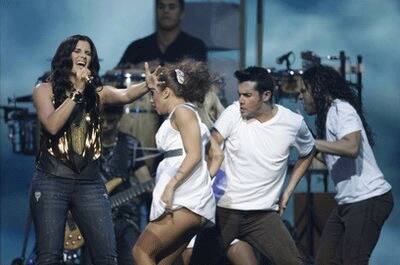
[(152, 78)]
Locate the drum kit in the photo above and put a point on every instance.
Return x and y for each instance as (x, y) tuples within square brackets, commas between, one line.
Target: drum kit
[(287, 83), (139, 118)]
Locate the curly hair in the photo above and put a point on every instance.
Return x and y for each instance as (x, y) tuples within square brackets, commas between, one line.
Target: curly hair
[(325, 85), (61, 67), (196, 81)]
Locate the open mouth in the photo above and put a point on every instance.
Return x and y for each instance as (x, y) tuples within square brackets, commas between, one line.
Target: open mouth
[(81, 63)]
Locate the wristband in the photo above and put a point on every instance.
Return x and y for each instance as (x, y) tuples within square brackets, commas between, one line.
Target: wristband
[(77, 97)]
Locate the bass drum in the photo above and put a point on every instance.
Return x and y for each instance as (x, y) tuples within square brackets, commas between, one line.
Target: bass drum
[(139, 119)]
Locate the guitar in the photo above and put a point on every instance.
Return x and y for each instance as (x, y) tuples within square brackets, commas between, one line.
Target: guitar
[(73, 238)]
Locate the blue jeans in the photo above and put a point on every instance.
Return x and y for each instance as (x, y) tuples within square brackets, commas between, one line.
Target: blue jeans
[(127, 235), (51, 198)]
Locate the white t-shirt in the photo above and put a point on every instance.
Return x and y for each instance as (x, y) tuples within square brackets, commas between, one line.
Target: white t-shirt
[(256, 156), (355, 179)]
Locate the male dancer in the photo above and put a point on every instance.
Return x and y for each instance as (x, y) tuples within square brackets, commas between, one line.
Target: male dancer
[(363, 195), (258, 136)]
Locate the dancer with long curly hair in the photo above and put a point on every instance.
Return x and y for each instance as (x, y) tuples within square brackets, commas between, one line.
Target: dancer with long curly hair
[(363, 195)]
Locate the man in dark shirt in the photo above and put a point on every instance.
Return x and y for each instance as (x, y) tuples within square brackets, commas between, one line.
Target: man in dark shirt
[(169, 43)]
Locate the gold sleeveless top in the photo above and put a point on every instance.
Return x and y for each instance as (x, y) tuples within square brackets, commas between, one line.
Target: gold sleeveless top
[(77, 144)]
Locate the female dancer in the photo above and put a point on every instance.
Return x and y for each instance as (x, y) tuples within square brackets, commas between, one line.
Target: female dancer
[(66, 177), (183, 200)]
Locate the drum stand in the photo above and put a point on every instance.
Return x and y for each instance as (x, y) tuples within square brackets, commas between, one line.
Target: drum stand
[(308, 213)]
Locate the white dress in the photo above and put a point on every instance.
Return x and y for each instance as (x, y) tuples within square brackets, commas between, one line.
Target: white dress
[(195, 193)]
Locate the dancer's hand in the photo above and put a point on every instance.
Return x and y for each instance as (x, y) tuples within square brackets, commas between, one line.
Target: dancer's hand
[(152, 77), (283, 203), (167, 198)]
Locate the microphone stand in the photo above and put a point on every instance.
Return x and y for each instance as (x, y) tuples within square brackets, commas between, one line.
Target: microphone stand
[(288, 64)]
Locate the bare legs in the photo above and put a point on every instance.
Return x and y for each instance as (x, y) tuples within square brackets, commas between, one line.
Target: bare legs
[(164, 239)]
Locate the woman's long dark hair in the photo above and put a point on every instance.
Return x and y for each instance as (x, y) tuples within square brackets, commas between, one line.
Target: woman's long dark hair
[(326, 84), (61, 67)]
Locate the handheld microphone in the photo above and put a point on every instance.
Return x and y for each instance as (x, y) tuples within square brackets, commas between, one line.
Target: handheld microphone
[(89, 79)]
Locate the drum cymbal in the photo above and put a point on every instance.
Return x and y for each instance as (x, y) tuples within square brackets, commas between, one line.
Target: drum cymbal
[(139, 66), (131, 71), (122, 78)]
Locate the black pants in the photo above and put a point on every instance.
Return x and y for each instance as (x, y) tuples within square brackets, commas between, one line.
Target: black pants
[(352, 231), (264, 230)]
